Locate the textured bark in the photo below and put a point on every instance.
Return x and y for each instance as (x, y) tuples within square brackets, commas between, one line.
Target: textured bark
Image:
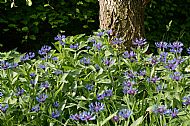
[(124, 17)]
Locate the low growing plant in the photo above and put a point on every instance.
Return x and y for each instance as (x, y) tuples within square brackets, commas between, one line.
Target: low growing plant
[(89, 80)]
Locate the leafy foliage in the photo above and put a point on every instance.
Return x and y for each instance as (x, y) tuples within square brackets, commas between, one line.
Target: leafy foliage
[(86, 83)]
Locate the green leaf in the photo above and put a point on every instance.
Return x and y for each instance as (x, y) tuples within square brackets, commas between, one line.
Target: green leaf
[(29, 2), (32, 37), (108, 118), (25, 29), (138, 121)]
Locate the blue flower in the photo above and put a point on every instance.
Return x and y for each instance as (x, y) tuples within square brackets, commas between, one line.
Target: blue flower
[(171, 64), (75, 117), (45, 85), (32, 75), (186, 100), (100, 96), (161, 45), (41, 98), (86, 116), (139, 42), (42, 66), (129, 90), (4, 65), (108, 93), (56, 104), (27, 56), (4, 108), (161, 110), (1, 94), (155, 79), (117, 41), (33, 82), (60, 38), (89, 87), (115, 118), (176, 76), (75, 46), (109, 32), (85, 61), (55, 58), (174, 112), (97, 67), (44, 50), (55, 114), (96, 107), (142, 72), (97, 45), (163, 57), (125, 113), (100, 34), (130, 74), (108, 61), (20, 91), (176, 47), (58, 72), (130, 55), (36, 108)]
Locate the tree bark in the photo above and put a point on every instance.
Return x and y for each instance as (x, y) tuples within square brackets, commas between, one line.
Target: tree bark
[(124, 17)]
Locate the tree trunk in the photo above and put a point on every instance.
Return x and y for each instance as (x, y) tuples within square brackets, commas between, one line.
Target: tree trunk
[(124, 17)]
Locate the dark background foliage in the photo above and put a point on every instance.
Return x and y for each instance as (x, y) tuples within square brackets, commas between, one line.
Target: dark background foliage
[(27, 28)]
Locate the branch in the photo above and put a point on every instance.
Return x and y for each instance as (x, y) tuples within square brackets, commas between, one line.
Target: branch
[(145, 2)]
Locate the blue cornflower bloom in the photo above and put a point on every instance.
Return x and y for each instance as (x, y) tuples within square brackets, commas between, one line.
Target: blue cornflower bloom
[(41, 98), (86, 116), (109, 32), (1, 94), (125, 113), (96, 107), (97, 45), (85, 61), (176, 76), (130, 55), (75, 117), (117, 41), (93, 40), (55, 114), (20, 91), (60, 38), (36, 108), (188, 50), (74, 46), (4, 108), (186, 100), (58, 72), (161, 44), (33, 82), (5, 65), (100, 96), (139, 42), (160, 110), (89, 87), (54, 58), (27, 56), (163, 57), (130, 74), (42, 66), (115, 118), (45, 85), (88, 47), (108, 61), (160, 87), (174, 112), (154, 60), (100, 34), (176, 47), (108, 93), (142, 72), (32, 75), (130, 90), (56, 104), (44, 50), (128, 83), (155, 79), (171, 64)]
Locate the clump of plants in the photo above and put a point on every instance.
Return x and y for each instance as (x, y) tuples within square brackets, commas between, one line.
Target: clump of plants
[(87, 80)]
